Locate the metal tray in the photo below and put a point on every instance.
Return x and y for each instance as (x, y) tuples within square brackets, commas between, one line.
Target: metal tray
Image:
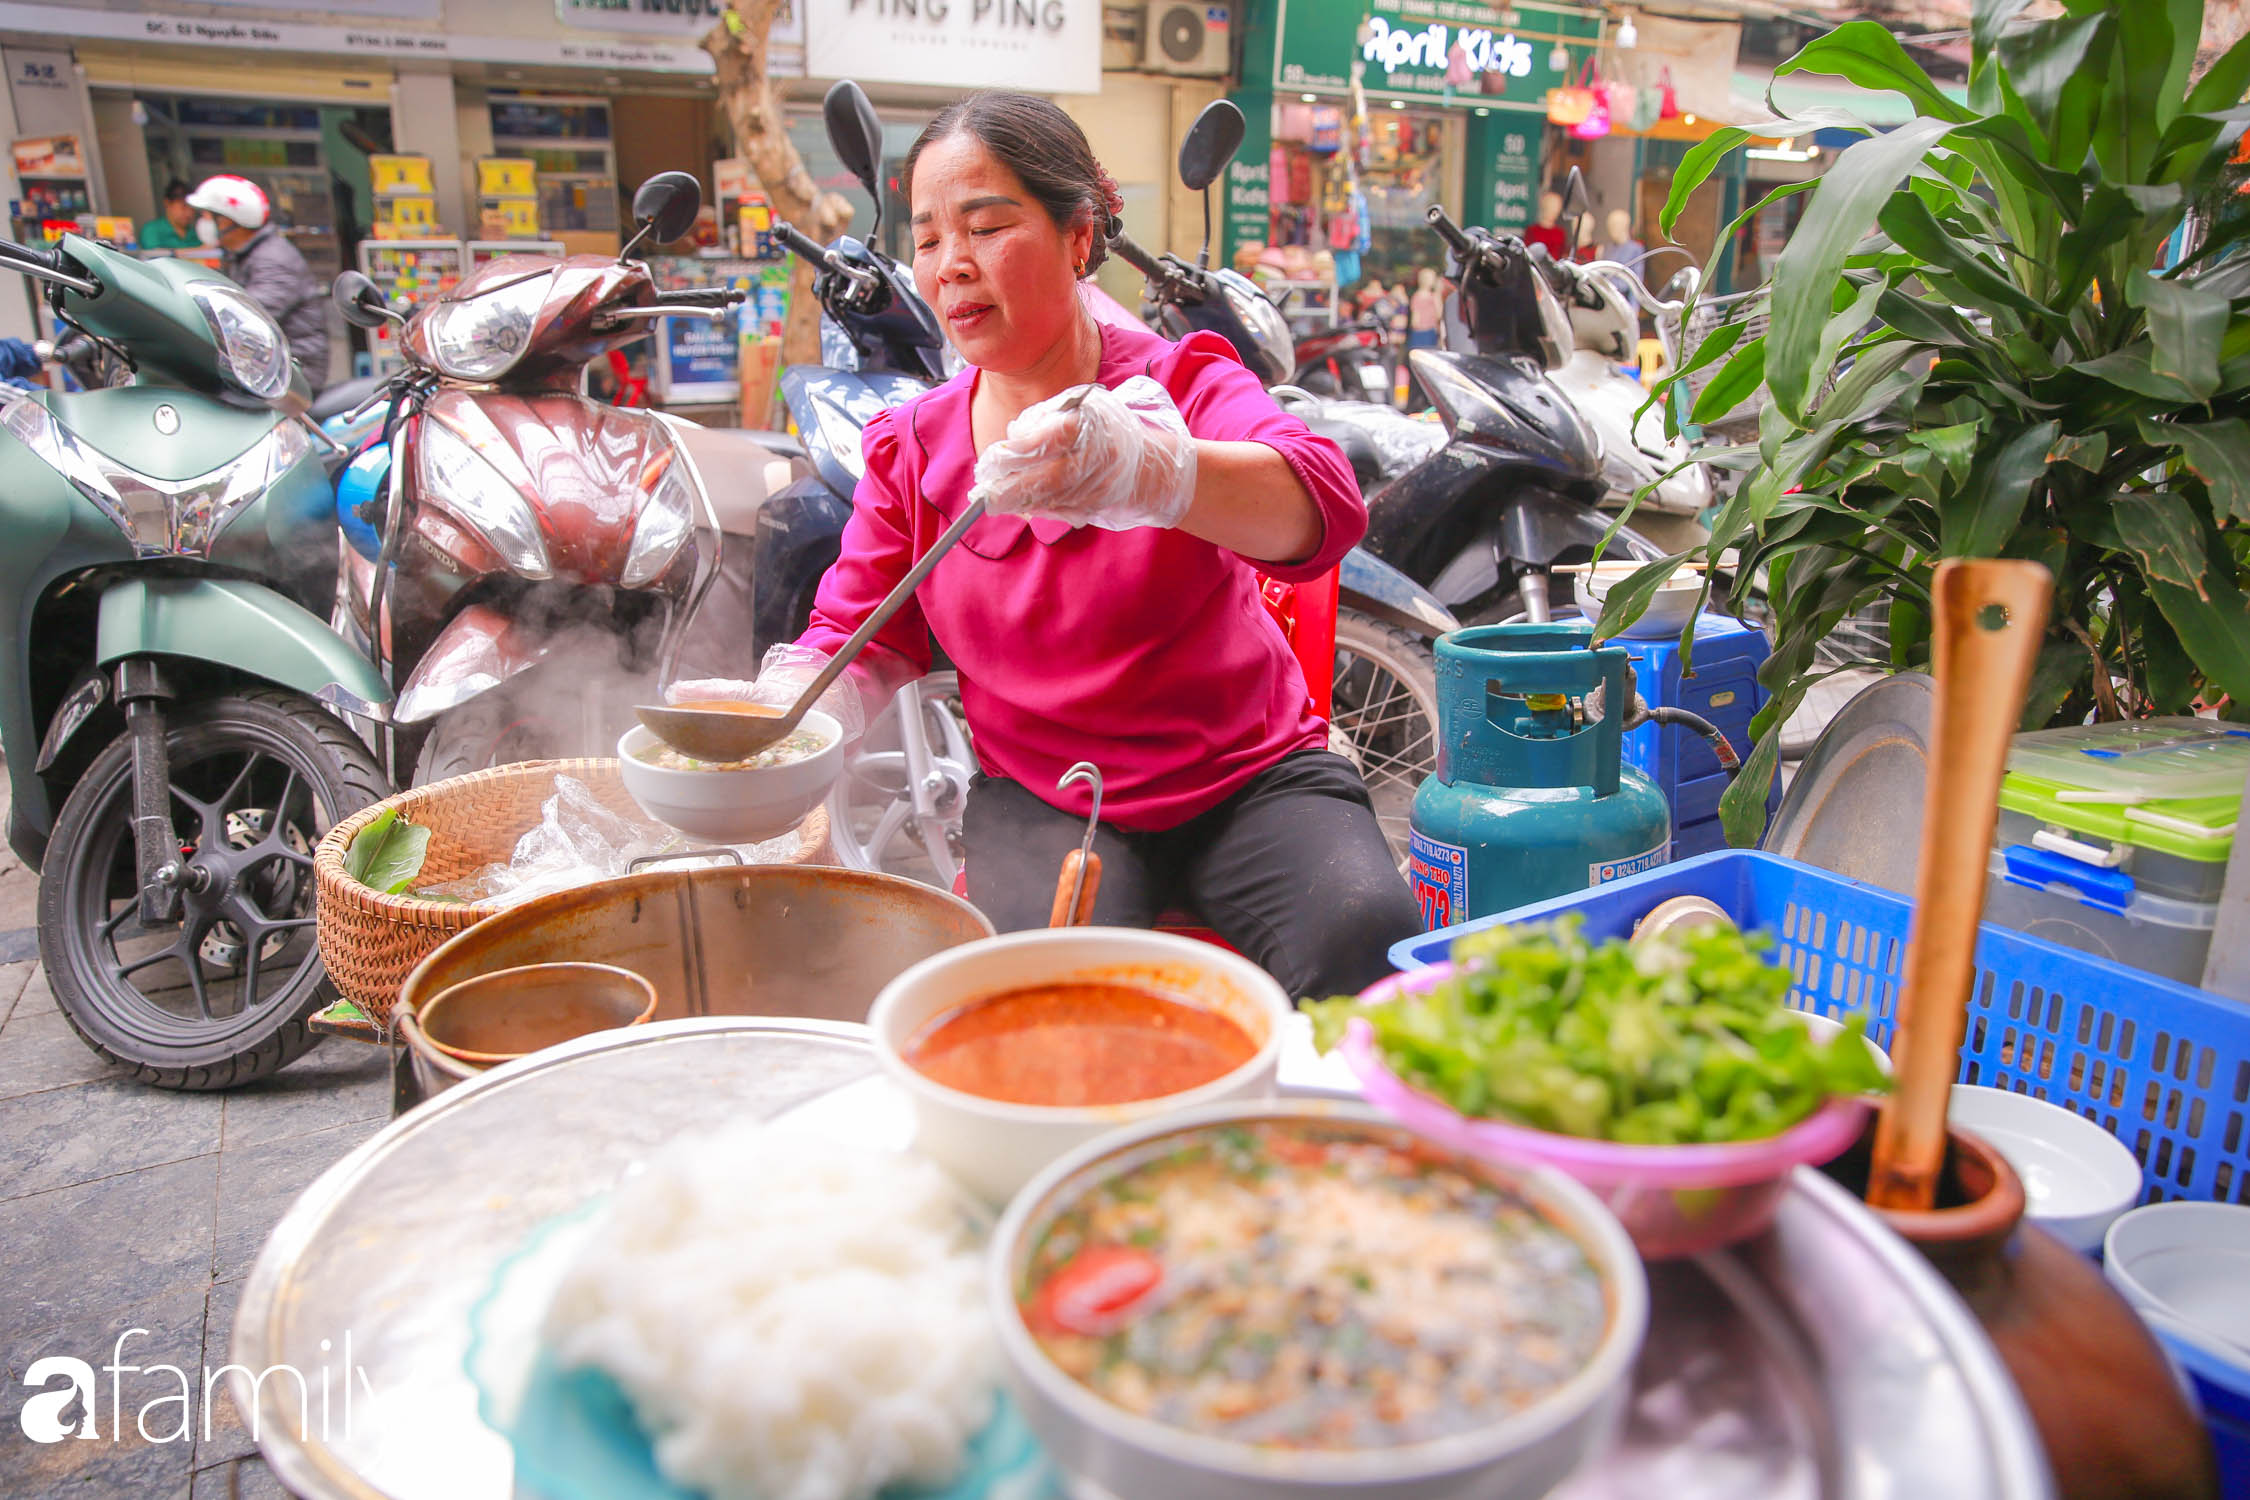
[(1825, 1359)]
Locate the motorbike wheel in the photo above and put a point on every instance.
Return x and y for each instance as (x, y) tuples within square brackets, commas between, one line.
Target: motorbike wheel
[(1385, 718), (220, 997), (871, 819)]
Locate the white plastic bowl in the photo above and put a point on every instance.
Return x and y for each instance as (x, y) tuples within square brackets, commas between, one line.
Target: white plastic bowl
[(1668, 612), (2190, 1264), (2077, 1177), (995, 1147), (1517, 1457), (734, 807)]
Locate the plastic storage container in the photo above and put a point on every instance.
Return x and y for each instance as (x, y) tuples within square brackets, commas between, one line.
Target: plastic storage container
[(2163, 1067), (1724, 689), (2114, 838)]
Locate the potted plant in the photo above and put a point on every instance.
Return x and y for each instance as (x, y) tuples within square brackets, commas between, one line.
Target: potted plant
[(1982, 341)]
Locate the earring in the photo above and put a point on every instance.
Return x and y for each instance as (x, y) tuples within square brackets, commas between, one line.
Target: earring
[(1082, 270)]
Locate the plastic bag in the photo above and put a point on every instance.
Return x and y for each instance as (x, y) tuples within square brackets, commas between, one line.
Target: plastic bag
[(1122, 458), (576, 842)]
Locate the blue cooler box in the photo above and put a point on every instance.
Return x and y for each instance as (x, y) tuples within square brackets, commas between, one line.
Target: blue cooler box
[(1724, 690)]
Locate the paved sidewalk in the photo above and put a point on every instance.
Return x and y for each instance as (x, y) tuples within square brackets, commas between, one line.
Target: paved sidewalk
[(124, 1207)]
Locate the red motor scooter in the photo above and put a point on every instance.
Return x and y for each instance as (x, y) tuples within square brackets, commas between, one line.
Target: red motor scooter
[(527, 559)]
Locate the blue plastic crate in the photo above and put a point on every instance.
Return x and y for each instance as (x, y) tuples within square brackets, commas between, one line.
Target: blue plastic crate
[(2163, 1067), (1724, 689)]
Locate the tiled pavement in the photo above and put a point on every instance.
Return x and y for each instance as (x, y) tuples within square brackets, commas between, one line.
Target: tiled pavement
[(124, 1207)]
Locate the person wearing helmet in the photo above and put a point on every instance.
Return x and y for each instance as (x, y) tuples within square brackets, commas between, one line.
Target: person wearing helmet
[(258, 256)]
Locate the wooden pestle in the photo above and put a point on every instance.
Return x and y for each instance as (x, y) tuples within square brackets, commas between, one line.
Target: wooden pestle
[(1989, 617)]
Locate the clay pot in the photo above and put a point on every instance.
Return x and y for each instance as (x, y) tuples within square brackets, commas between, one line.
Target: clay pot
[(2094, 1379)]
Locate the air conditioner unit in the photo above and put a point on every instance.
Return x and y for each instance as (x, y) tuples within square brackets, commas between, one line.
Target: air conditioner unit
[(1187, 38)]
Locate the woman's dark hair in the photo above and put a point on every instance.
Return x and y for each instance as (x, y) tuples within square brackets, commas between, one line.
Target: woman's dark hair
[(1046, 150)]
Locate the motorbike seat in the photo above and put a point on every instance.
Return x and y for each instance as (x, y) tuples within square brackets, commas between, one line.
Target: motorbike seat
[(342, 397), (1359, 448)]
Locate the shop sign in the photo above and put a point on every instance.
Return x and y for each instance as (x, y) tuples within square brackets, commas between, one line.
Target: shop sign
[(1515, 178), (397, 10), (374, 38), (1045, 46), (43, 87), (1245, 211), (1407, 48), (49, 156)]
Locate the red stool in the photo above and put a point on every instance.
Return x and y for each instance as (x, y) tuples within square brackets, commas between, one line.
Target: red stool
[(1306, 613)]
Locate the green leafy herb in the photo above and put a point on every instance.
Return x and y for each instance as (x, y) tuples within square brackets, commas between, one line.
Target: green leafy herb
[(386, 855), (1673, 1039)]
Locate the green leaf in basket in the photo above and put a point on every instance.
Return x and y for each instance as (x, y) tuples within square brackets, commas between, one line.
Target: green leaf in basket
[(387, 854)]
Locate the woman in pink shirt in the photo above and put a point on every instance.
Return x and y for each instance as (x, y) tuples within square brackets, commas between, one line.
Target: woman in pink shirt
[(1107, 609)]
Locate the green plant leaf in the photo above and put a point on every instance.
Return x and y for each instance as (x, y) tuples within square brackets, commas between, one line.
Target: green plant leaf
[(1851, 194), (1629, 600), (387, 854), (2131, 368), (2087, 450), (2185, 323), (2223, 86), (2165, 536), (2208, 610), (1979, 522), (2219, 451), (1736, 380), (1694, 168), (1869, 55), (1742, 806), (2044, 61), (1911, 226)]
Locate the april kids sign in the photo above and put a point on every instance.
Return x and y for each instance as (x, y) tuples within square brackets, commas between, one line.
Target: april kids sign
[(1407, 46)]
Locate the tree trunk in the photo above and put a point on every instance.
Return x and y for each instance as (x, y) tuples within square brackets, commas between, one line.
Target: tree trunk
[(738, 45)]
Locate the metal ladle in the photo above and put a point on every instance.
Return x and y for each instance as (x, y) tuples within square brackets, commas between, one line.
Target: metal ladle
[(718, 734)]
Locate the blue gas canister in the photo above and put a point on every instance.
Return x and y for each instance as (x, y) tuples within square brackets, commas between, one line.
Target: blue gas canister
[(1532, 797)]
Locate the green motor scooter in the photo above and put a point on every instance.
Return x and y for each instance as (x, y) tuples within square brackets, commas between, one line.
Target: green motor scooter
[(170, 690)]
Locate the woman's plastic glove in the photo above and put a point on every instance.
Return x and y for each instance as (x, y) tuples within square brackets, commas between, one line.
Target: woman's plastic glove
[(1123, 458), (785, 673)]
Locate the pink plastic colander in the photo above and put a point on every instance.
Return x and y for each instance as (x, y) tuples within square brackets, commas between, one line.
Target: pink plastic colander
[(1673, 1200)]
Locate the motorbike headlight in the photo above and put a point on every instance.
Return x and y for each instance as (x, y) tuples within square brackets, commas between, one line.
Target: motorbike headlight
[(252, 352), (478, 338), (162, 516), (1266, 325), (455, 477), (667, 517)]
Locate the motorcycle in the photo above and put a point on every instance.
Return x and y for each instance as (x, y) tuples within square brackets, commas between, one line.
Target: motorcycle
[(522, 561), (169, 686), (1344, 363), (1385, 693)]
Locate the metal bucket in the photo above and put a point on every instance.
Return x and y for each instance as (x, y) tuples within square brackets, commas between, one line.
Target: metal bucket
[(498, 1017), (761, 940)]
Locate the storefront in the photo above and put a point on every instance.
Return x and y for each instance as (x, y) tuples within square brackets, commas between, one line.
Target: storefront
[(1360, 123)]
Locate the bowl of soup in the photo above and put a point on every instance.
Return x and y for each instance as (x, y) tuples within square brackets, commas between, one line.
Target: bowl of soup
[(1266, 1301), (1017, 1048), (734, 802)]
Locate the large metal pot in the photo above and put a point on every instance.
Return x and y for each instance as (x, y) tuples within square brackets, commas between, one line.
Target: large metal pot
[(762, 940)]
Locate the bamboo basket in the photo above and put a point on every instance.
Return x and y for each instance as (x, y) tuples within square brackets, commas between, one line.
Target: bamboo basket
[(370, 941)]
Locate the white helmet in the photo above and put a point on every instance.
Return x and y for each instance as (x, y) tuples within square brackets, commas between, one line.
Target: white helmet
[(236, 198)]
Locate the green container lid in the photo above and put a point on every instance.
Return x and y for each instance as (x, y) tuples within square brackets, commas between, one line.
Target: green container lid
[(2197, 828)]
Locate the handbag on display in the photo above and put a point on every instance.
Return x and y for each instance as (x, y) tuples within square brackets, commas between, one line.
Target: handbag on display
[(1624, 101), (1573, 102), (1458, 74), (1670, 108), (1327, 129), (1277, 174), (1648, 108), (1295, 123), (1596, 123)]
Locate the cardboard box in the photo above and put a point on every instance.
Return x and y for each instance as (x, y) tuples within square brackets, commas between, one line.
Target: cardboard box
[(507, 177), (401, 174)]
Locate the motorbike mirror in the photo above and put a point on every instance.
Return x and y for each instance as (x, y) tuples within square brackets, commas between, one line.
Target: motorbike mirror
[(1681, 285), (1211, 143), (855, 134), (666, 206), (1577, 204), (360, 301)]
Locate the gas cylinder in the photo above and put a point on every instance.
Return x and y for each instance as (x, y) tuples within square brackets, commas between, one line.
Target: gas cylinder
[(1532, 797)]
